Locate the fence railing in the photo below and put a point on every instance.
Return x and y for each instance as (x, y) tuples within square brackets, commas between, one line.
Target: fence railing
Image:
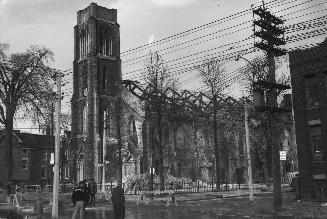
[(176, 187), (287, 179), (186, 187)]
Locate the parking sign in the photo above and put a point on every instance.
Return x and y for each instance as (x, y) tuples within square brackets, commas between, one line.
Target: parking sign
[(282, 155)]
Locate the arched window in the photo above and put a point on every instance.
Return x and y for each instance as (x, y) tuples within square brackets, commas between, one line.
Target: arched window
[(108, 43), (101, 41), (84, 119), (104, 78), (87, 42), (84, 80), (81, 44), (105, 42)]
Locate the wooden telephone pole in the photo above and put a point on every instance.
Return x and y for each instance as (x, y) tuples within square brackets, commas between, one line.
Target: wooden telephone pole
[(268, 29), (57, 151)]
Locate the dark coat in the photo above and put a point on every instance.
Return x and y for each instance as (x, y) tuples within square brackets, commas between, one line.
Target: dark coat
[(11, 189), (117, 196), (80, 194), (92, 187), (118, 202)]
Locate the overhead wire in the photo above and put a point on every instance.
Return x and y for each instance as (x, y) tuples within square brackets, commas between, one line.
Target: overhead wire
[(199, 28), (287, 14)]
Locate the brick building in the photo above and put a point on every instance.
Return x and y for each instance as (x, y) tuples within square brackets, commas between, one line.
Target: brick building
[(308, 69), (31, 158)]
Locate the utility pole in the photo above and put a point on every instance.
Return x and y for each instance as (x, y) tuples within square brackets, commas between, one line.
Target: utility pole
[(248, 148), (104, 152), (247, 132), (119, 140), (272, 36), (57, 148)]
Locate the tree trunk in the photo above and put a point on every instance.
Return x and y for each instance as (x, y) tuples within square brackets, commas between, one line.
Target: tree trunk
[(173, 172), (267, 165), (216, 147), (8, 147), (161, 151), (145, 137)]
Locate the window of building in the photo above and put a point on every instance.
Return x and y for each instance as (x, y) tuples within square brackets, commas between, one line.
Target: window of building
[(24, 164), (24, 151), (105, 42), (81, 43), (66, 172), (102, 41), (311, 89), (108, 48), (84, 80), (316, 139), (66, 155), (43, 172), (45, 156), (84, 43), (84, 119), (104, 78)]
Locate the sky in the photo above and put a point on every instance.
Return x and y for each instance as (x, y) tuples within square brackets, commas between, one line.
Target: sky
[(50, 23)]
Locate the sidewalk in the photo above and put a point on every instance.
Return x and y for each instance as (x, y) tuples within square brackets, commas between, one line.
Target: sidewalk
[(198, 196), (228, 203)]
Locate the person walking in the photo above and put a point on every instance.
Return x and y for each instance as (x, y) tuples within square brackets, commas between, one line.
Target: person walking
[(92, 191), (38, 207), (296, 185), (118, 202), (79, 198), (11, 191)]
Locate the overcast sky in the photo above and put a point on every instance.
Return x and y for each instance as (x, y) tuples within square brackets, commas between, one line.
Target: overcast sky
[(50, 23)]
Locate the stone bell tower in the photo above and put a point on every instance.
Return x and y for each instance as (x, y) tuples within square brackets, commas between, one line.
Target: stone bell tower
[(96, 80)]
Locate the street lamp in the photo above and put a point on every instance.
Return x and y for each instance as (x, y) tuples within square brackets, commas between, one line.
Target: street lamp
[(238, 57), (247, 134)]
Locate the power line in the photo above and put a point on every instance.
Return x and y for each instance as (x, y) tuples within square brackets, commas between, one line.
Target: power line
[(196, 29)]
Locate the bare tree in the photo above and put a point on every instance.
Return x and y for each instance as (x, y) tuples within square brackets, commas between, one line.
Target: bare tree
[(158, 77), (212, 73), (24, 84)]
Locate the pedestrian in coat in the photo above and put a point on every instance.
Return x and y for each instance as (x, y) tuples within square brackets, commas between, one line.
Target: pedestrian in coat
[(296, 184), (92, 191), (118, 202), (11, 191), (79, 199)]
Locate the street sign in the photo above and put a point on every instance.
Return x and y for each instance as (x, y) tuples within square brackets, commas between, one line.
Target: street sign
[(282, 155)]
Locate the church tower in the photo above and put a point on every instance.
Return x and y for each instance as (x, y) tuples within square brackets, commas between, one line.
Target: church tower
[(96, 81)]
